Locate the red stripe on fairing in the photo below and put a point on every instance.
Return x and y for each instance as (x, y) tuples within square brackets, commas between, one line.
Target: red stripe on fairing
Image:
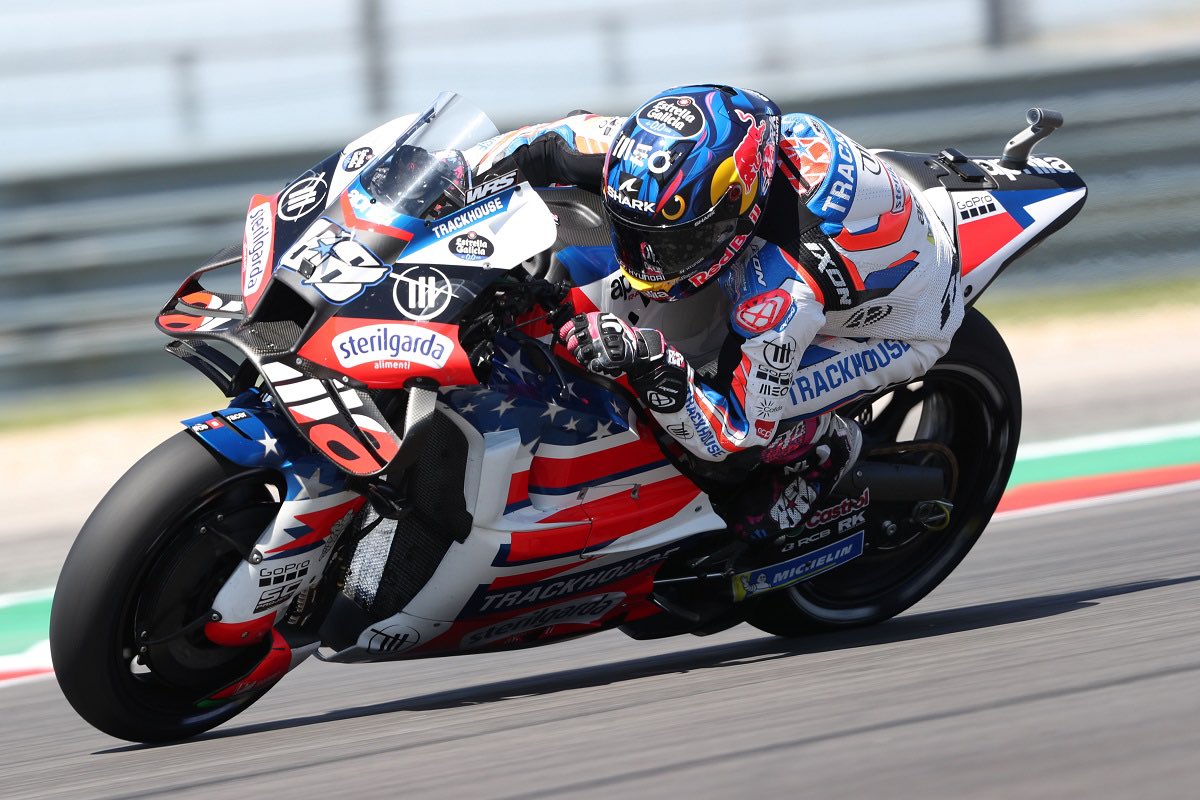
[(580, 301), (321, 523), (1039, 494), (358, 223), (620, 515), (240, 634), (523, 578), (273, 667), (558, 473), (518, 487), (556, 542), (603, 520), (980, 239)]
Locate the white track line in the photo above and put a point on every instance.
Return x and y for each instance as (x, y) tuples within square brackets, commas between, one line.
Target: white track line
[(21, 598), (36, 657), (1106, 441)]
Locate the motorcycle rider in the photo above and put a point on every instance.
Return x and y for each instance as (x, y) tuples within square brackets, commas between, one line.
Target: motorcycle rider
[(840, 281)]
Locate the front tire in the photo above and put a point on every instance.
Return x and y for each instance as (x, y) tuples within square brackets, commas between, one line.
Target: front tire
[(969, 401), (126, 636)]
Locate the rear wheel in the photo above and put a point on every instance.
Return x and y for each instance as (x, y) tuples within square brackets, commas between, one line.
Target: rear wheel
[(970, 403), (126, 627)]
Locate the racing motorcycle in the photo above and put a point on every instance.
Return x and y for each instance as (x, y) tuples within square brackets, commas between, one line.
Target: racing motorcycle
[(411, 466)]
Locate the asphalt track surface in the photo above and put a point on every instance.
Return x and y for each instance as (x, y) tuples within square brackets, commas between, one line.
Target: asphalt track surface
[(1061, 660)]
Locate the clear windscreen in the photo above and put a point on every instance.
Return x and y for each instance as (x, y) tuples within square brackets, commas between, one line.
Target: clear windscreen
[(425, 175)]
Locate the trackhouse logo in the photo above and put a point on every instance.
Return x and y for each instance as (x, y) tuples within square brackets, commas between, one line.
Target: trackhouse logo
[(573, 612), (488, 601)]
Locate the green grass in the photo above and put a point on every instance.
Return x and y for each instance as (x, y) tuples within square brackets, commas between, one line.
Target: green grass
[(1012, 308)]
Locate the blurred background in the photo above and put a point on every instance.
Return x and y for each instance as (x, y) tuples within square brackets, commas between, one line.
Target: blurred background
[(135, 131)]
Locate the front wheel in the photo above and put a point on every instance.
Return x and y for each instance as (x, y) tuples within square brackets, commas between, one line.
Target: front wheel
[(126, 626), (970, 403)]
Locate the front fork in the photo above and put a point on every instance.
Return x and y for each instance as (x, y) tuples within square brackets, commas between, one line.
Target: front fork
[(290, 556)]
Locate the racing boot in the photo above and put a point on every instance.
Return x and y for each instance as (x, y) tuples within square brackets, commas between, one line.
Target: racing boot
[(782, 498)]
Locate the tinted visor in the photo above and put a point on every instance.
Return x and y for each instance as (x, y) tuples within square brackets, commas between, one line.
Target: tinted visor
[(657, 253)]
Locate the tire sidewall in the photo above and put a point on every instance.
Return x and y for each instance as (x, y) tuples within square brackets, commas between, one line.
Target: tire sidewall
[(977, 348), (103, 568)]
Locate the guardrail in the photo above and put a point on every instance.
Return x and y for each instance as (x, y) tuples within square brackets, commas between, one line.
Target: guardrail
[(88, 259)]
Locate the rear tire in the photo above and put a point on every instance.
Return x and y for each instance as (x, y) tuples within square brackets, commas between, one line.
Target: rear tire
[(140, 566), (970, 401)]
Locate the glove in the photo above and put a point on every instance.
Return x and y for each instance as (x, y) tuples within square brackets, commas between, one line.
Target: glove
[(601, 342)]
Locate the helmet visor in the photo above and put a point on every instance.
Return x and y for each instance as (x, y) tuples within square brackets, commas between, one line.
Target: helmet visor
[(658, 254)]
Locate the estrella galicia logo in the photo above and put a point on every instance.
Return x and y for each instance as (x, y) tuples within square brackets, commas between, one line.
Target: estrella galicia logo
[(422, 292), (472, 247), (780, 354), (357, 159), (675, 117), (303, 197)]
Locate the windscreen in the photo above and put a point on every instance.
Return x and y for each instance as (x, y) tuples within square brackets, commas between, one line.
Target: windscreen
[(425, 174)]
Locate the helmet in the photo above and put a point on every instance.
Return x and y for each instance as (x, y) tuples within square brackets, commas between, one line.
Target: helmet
[(685, 182)]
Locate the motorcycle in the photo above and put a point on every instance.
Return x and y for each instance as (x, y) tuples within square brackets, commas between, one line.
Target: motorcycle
[(411, 466)]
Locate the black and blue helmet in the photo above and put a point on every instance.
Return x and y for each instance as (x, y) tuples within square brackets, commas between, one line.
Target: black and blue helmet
[(685, 183)]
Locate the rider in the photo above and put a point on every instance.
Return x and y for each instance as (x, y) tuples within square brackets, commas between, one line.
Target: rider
[(839, 277)]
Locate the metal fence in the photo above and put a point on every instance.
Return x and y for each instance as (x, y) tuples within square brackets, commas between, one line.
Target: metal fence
[(89, 257), (139, 79)]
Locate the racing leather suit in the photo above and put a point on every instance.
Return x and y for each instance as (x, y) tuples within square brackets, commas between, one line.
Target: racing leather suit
[(851, 284)]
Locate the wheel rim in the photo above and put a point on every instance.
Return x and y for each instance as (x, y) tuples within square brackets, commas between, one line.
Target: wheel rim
[(162, 660), (965, 409)]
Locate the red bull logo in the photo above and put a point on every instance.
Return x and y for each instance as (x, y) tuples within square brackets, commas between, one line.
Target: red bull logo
[(747, 158)]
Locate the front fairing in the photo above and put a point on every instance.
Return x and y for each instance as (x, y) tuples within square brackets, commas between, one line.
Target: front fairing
[(386, 323), (350, 286)]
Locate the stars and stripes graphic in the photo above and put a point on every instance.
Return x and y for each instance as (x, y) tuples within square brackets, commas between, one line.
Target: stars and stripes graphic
[(546, 407)]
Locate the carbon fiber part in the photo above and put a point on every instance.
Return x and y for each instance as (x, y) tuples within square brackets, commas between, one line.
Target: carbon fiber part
[(433, 486)]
